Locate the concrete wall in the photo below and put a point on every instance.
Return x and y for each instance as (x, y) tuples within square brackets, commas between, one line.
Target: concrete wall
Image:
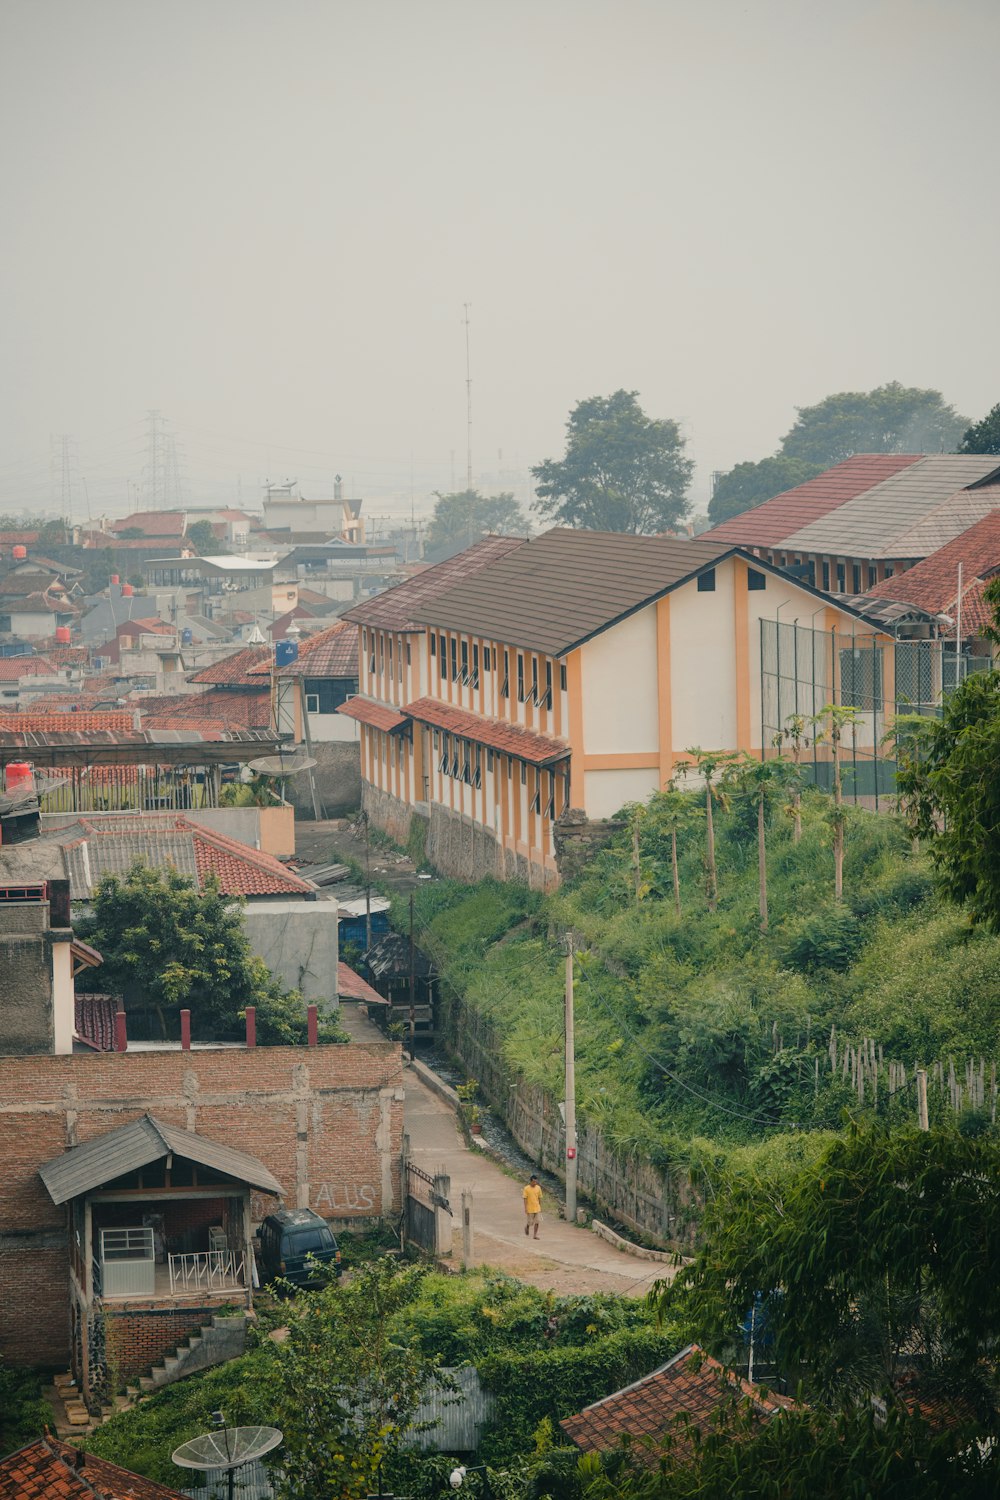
[(26, 1019), (327, 1121), (338, 780), (271, 829), (298, 942)]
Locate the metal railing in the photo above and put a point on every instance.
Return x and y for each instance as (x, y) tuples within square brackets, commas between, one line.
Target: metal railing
[(207, 1271)]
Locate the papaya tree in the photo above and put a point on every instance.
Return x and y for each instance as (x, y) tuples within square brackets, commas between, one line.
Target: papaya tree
[(831, 722)]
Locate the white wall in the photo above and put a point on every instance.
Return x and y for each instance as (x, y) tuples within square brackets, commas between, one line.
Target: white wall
[(620, 713), (703, 665), (63, 1003), (607, 791)]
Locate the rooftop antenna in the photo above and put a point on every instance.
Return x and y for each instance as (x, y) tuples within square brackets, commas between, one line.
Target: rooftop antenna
[(468, 401), (226, 1448)]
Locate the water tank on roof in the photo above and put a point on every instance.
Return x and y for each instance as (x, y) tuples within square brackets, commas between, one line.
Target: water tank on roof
[(285, 652), (62, 635), (18, 777), (127, 591), (187, 636), (114, 578), (19, 553)]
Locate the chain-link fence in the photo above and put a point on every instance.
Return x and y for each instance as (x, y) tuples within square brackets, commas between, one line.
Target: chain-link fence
[(803, 669)]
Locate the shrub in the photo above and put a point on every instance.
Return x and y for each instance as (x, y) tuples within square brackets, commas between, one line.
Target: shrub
[(828, 938)]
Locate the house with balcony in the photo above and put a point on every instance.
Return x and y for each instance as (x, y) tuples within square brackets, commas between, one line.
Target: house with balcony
[(525, 696), (160, 1236)]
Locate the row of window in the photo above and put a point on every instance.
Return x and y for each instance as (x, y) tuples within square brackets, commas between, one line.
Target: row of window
[(379, 648), (462, 760), (862, 577), (533, 674)]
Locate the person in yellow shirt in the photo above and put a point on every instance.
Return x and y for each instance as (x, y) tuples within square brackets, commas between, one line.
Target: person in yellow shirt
[(532, 1195)]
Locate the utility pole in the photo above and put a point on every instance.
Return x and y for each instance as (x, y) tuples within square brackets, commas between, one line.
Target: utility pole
[(368, 887), (570, 1090), (922, 1119), (468, 401)]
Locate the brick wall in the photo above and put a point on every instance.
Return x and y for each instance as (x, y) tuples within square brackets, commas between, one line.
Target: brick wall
[(134, 1342), (327, 1121)]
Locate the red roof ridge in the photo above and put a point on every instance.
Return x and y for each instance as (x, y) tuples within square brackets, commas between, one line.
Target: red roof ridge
[(497, 734)]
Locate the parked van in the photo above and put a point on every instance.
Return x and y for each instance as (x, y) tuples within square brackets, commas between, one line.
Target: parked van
[(290, 1241)]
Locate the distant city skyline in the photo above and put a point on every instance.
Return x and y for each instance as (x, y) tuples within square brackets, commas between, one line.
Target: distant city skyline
[(265, 223)]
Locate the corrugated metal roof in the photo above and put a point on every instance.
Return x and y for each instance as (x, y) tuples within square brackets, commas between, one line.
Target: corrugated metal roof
[(562, 587), (871, 524), (81, 1169)]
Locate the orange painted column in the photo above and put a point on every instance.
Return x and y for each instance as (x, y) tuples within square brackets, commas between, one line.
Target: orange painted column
[(664, 707)]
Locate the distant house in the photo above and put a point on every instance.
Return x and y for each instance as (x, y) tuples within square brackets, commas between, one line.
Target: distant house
[(692, 1389), (868, 518), (933, 584), (158, 526), (36, 615)]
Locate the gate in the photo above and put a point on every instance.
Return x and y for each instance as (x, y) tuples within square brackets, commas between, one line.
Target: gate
[(428, 1211)]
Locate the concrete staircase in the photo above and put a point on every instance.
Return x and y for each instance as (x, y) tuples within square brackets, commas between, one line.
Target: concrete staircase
[(223, 1339)]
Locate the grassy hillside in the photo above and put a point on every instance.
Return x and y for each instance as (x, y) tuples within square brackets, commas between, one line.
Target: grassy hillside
[(699, 1034)]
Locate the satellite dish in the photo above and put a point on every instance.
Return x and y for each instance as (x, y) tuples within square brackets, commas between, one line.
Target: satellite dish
[(276, 765), (228, 1448)]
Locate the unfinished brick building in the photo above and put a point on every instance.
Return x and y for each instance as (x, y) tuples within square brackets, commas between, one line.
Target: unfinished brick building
[(324, 1125)]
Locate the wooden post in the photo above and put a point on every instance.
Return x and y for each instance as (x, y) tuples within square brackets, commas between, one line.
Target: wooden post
[(922, 1119)]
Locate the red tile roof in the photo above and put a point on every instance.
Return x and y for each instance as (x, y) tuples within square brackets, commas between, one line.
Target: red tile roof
[(498, 734), (394, 608), (933, 583), (691, 1386), (377, 715), (95, 1020), (233, 671), (15, 585), (18, 538), (152, 523), (767, 525), (13, 668), (332, 652), (351, 986), (150, 625), (51, 1470), (67, 723), (246, 708)]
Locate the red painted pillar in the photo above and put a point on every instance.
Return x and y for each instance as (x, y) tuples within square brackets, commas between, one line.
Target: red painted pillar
[(185, 1031), (251, 1025), (121, 1034), (313, 1023)]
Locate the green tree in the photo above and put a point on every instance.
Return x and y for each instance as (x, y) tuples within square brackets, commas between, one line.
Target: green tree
[(461, 518), (670, 814), (623, 471), (761, 782), (984, 436), (865, 1254), (795, 734), (348, 1382), (168, 945), (890, 419), (830, 722), (750, 484), (203, 539), (709, 764)]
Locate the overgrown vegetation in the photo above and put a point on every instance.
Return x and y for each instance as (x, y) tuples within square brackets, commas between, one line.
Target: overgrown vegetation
[(24, 1413), (700, 1033)]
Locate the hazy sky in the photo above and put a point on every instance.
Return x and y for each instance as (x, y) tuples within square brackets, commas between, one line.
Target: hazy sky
[(263, 219)]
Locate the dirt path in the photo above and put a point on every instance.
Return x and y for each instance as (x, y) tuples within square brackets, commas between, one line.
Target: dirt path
[(566, 1258)]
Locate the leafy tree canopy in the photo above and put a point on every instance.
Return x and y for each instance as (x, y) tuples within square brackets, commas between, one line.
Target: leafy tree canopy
[(170, 946), (984, 436), (749, 484), (870, 1252), (892, 418), (203, 538), (623, 471), (461, 518)]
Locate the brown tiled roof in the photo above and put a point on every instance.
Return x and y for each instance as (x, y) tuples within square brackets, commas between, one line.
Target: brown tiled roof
[(12, 668), (691, 1386), (150, 625), (497, 734), (51, 1470), (41, 604), (16, 585), (240, 708), (769, 524), (332, 652), (933, 583), (233, 671), (72, 723), (18, 538), (351, 986), (559, 589), (152, 523), (377, 715), (399, 608)]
